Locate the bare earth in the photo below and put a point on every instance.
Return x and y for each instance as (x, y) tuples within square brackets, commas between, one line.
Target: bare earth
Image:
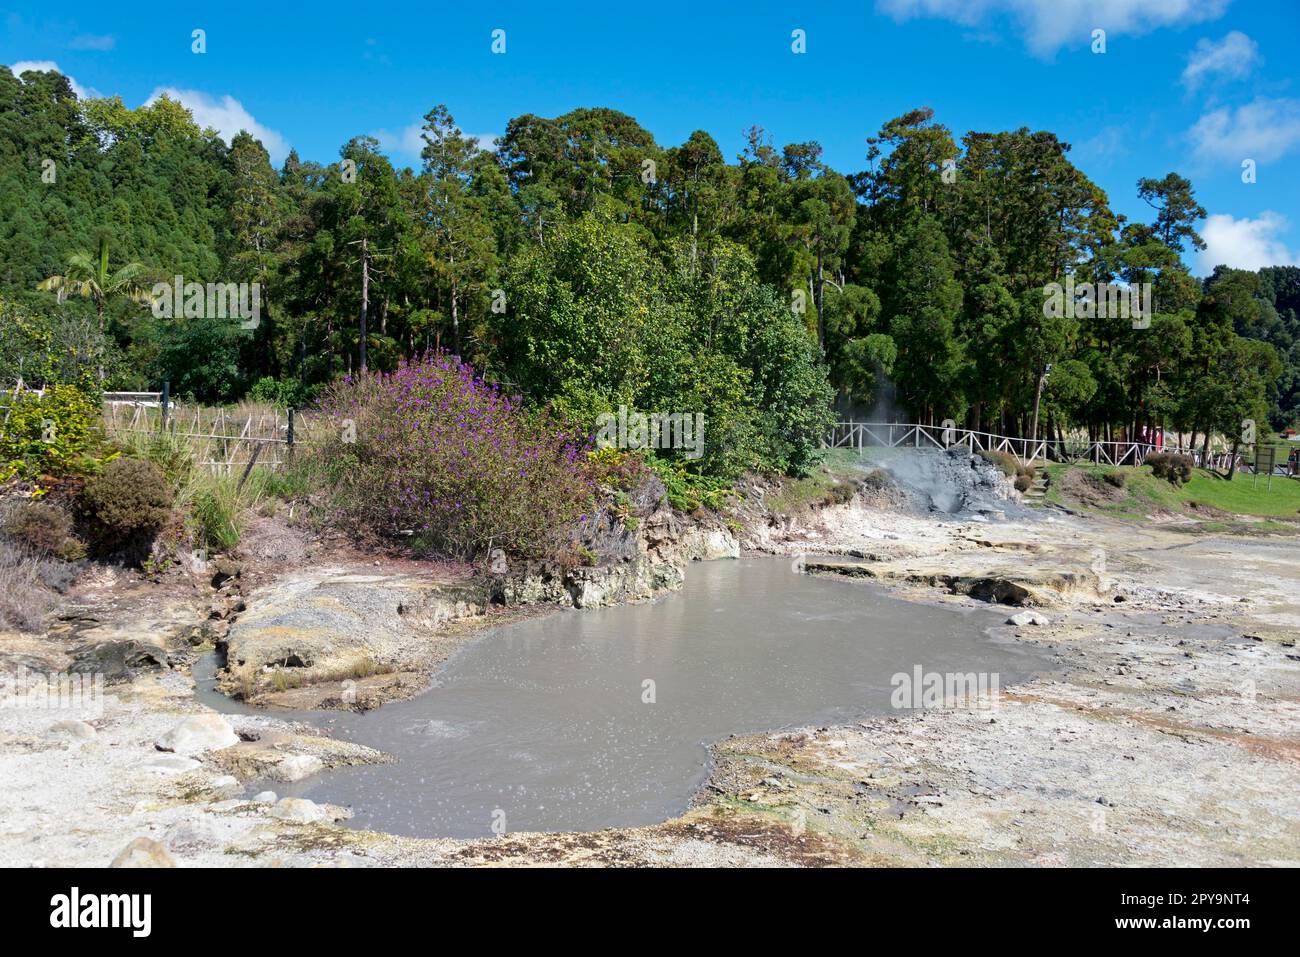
[(1169, 736)]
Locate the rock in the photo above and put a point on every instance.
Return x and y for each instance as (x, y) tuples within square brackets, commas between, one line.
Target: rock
[(191, 834), (322, 621), (170, 764), (117, 660), (230, 804), (143, 852), (1028, 618), (224, 570), (76, 729), (295, 767), (300, 811), (226, 784), (264, 797), (198, 733)]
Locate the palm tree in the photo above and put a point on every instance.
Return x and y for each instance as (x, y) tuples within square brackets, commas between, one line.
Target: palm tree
[(91, 279)]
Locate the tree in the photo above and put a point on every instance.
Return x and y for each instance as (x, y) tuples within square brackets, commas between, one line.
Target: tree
[(91, 278), (459, 242), (921, 303), (1177, 210)]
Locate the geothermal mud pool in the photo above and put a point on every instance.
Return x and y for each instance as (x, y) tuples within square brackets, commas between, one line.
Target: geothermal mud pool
[(547, 725)]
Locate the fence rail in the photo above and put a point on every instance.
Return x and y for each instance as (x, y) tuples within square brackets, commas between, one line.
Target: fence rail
[(893, 435), (864, 435), (223, 439)]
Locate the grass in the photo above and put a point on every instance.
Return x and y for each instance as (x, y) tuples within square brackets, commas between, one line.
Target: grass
[(216, 506), (832, 482), (1144, 494)]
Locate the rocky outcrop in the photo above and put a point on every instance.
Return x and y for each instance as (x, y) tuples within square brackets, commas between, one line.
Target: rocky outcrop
[(639, 548), (339, 623), (1027, 586)]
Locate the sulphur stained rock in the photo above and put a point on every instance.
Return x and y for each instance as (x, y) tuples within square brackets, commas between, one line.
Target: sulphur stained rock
[(143, 852)]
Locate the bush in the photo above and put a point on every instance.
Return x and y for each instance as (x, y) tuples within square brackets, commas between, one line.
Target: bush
[(1116, 479), (45, 529), (39, 526), (688, 492), (1007, 462), (282, 393), (130, 500), (878, 479), (436, 449), (52, 434), (25, 598), (615, 469), (1021, 473), (1175, 468)]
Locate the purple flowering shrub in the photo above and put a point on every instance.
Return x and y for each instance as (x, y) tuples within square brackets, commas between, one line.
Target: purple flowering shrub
[(435, 449)]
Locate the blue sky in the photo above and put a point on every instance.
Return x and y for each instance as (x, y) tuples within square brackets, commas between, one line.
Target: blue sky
[(1196, 86)]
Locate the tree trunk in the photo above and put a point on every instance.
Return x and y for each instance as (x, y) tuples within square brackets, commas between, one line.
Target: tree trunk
[(365, 297), (99, 309)]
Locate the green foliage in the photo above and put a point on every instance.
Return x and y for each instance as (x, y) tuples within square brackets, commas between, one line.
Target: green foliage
[(596, 323), (1174, 468), (283, 394), (753, 291), (611, 468), (214, 506), (687, 491), (52, 434)]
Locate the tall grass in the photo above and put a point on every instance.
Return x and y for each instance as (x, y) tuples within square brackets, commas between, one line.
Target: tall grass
[(216, 507)]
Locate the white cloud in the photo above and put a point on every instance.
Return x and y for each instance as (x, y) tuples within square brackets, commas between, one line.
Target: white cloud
[(1244, 243), (45, 66), (406, 143), (1262, 130), (1048, 25), (225, 115), (1233, 57), (409, 142)]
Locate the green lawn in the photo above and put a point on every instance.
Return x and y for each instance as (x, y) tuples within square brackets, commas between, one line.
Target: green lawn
[(1145, 493)]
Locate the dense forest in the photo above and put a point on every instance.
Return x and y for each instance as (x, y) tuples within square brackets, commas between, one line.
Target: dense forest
[(582, 264)]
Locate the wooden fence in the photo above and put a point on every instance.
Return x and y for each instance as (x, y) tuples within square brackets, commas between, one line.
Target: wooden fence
[(223, 439), (864, 435)]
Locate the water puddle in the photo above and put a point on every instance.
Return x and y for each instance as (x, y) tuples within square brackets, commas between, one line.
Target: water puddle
[(552, 725)]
